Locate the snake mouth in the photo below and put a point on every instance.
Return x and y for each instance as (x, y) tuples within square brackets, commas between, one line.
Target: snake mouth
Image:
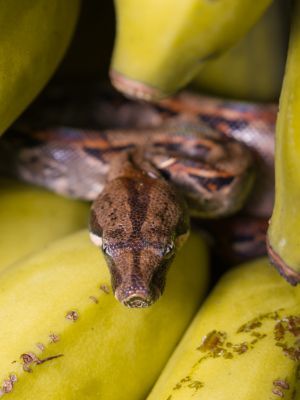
[(137, 298), (135, 301)]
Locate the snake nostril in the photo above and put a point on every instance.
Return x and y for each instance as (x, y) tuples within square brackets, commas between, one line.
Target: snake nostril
[(136, 294)]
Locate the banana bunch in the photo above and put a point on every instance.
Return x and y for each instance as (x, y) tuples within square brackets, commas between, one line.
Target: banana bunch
[(284, 230), (34, 35), (161, 46), (262, 49), (32, 217), (243, 343), (63, 335)]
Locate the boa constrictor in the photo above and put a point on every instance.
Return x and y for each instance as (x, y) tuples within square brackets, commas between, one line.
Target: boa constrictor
[(147, 168)]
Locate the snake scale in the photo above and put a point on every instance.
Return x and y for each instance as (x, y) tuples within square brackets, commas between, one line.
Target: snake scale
[(147, 168)]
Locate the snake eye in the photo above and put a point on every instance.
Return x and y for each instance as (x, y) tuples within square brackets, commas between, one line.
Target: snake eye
[(169, 250)]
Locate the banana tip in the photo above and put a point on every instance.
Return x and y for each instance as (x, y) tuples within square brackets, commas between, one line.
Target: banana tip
[(134, 89), (285, 271)]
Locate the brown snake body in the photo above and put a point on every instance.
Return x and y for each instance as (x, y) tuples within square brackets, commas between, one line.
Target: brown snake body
[(122, 155)]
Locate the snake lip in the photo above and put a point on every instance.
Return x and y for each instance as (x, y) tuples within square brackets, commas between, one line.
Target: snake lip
[(136, 301), (134, 89), (284, 270)]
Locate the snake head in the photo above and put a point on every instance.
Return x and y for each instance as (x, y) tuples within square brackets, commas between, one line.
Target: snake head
[(138, 224), (139, 273)]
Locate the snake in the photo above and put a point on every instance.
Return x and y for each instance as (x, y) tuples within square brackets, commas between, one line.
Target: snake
[(147, 168)]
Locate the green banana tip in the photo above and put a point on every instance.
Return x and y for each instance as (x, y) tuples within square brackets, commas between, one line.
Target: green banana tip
[(285, 271)]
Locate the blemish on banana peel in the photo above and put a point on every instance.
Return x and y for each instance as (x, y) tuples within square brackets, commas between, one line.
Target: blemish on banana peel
[(182, 382), (212, 340), (287, 336), (240, 348), (281, 383), (29, 359), (94, 299), (72, 315), (189, 383), (216, 344), (104, 289), (280, 386), (279, 331), (54, 338), (195, 385), (278, 392), (8, 384), (40, 346), (257, 322)]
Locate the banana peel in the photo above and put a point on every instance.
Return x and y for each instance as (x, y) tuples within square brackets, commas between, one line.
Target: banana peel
[(243, 343), (262, 49), (161, 46), (64, 336), (284, 229), (31, 218), (34, 35)]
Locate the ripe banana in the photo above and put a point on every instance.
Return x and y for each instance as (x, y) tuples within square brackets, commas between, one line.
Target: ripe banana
[(32, 217), (34, 35), (64, 336), (284, 230), (243, 343), (263, 49), (160, 46)]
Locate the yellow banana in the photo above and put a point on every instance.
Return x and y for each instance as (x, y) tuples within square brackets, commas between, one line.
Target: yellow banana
[(253, 68), (284, 230), (64, 336), (161, 45), (30, 218), (34, 35), (242, 345)]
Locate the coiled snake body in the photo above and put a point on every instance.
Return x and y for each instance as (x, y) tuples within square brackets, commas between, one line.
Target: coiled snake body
[(147, 168)]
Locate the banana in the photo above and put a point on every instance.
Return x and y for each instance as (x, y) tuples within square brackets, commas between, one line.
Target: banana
[(160, 46), (31, 218), (34, 35), (284, 230), (243, 344), (64, 336), (263, 49)]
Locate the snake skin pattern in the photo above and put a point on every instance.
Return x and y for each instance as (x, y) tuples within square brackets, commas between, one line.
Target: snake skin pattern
[(145, 165)]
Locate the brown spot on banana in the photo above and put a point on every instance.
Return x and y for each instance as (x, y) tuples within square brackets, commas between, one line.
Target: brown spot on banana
[(72, 315)]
